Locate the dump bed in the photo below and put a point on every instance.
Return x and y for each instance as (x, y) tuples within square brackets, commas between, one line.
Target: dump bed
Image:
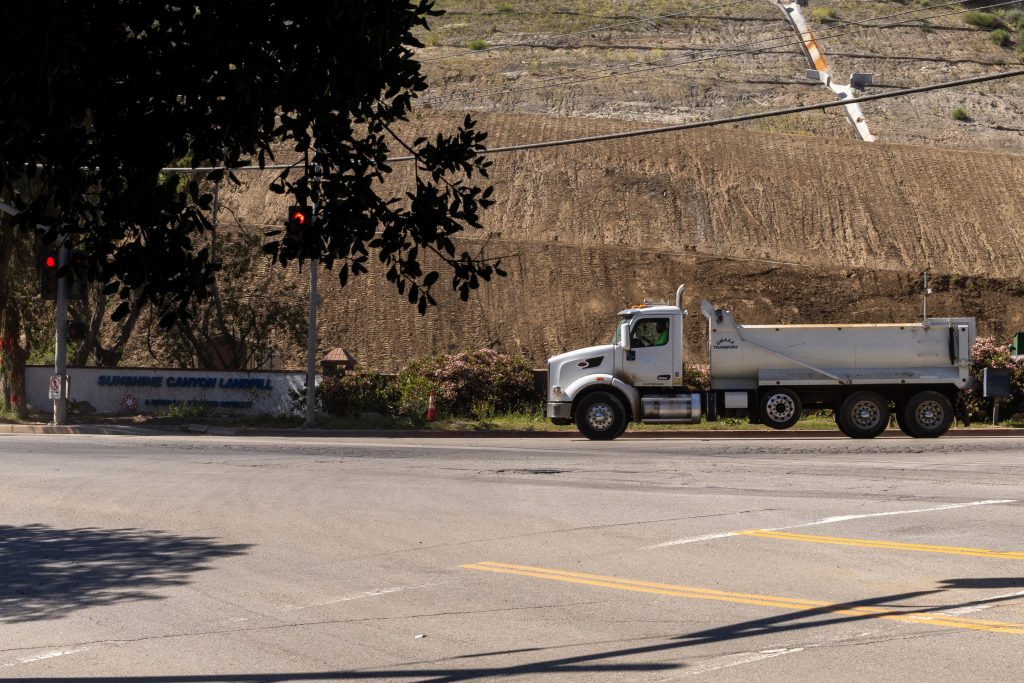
[(936, 351)]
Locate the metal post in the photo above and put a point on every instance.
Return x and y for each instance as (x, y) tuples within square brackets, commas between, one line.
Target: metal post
[(311, 349), (60, 361), (926, 293), (314, 265)]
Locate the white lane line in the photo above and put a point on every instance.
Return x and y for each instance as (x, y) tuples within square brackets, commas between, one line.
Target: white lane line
[(831, 520), (358, 596), (44, 655), (738, 659), (977, 608)]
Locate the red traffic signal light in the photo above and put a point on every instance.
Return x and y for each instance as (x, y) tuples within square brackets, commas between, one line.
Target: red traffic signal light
[(48, 275), (299, 226)]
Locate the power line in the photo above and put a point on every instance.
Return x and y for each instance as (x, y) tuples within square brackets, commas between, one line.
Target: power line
[(668, 129), (670, 62), (606, 27), (743, 117)]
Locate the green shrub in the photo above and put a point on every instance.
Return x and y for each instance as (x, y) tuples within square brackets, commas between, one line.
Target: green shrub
[(470, 383), (505, 7), (360, 391), (1000, 37), (824, 14), (983, 20), (960, 114), (477, 44)]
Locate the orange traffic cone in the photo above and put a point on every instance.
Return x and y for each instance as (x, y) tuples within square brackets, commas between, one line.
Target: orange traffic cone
[(431, 408)]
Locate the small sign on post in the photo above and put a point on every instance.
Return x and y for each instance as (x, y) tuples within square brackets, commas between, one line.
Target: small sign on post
[(995, 385), (55, 387)]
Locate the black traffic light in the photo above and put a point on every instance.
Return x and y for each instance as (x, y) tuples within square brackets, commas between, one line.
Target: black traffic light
[(76, 330), (48, 274), (300, 222), (78, 277)]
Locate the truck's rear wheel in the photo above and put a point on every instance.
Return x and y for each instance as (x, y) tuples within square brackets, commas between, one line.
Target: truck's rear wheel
[(839, 423), (780, 408), (928, 414), (901, 421), (600, 416), (864, 415)]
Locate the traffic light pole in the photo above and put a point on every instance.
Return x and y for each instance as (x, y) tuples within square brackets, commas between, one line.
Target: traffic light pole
[(60, 361), (311, 348), (314, 265)]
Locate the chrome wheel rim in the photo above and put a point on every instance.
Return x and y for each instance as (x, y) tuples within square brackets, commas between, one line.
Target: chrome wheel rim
[(865, 415), (600, 416), (780, 407), (929, 414)]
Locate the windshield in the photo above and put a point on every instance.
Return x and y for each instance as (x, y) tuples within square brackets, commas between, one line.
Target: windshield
[(618, 328)]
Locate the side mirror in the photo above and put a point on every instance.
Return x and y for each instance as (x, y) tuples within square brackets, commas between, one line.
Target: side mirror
[(624, 337)]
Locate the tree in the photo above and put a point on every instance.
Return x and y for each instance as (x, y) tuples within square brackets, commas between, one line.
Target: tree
[(97, 97)]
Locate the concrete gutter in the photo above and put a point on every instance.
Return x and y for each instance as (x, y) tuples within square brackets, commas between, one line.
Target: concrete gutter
[(211, 430)]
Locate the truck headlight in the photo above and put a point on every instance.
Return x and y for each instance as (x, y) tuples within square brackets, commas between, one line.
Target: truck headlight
[(556, 391)]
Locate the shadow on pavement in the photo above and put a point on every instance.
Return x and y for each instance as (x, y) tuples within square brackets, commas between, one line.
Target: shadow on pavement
[(597, 663), (49, 572)]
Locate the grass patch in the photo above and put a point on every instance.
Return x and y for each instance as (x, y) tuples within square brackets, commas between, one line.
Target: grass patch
[(824, 14), (1000, 37), (504, 7), (477, 44), (960, 114), (983, 20)]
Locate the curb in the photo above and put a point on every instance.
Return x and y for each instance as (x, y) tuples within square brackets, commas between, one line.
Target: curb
[(300, 432)]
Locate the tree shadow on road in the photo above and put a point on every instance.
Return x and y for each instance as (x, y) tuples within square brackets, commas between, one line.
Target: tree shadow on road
[(617, 660), (46, 573)]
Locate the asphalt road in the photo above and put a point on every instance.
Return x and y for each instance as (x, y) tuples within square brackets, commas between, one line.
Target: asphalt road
[(193, 558)]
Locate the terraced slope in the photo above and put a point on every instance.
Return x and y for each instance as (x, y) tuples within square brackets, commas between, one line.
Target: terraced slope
[(779, 228), (782, 220)]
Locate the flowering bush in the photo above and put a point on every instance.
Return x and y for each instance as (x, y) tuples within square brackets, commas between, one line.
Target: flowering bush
[(986, 353), (466, 384), (470, 383), (358, 392)]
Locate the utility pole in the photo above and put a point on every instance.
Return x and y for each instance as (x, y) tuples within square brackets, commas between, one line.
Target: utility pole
[(60, 361), (314, 265)]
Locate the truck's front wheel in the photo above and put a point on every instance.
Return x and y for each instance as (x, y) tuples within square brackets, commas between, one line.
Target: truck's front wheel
[(600, 416), (780, 408)]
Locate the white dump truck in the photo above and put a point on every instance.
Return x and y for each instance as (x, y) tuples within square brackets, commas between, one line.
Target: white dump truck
[(767, 373)]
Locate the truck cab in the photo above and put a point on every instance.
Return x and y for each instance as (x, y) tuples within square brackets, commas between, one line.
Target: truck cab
[(637, 376)]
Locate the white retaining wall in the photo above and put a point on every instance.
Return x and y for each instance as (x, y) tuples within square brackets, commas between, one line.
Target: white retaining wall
[(153, 390)]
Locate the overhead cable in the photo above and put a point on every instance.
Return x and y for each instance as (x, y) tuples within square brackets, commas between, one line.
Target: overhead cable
[(728, 51), (744, 117), (664, 129)]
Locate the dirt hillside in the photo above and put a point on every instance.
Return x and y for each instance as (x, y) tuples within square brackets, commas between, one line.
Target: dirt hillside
[(777, 227), (785, 219)]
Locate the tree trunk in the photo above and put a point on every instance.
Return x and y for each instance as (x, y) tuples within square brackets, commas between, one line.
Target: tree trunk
[(12, 355), (12, 359)]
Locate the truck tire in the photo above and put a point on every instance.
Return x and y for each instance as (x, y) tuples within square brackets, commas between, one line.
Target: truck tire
[(864, 415), (780, 408), (928, 414), (901, 421), (600, 416), (839, 424)]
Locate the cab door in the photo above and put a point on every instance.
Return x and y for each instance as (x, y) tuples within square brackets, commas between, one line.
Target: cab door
[(650, 360)]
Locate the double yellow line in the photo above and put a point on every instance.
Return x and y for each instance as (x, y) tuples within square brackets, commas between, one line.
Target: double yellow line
[(813, 606), (890, 545)]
